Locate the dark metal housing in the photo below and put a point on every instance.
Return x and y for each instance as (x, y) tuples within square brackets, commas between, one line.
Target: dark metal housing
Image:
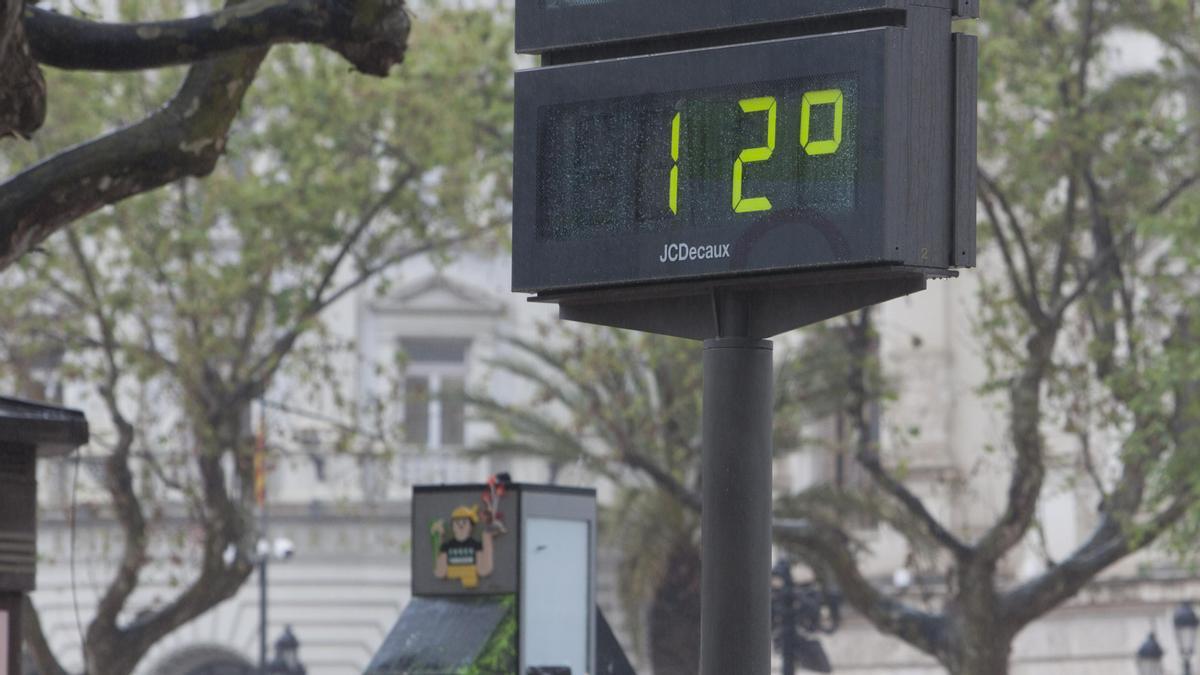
[(549, 26), (915, 216)]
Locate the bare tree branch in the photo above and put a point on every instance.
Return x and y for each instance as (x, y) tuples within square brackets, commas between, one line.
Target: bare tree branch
[(118, 477), (1178, 190), (828, 548), (184, 138), (861, 352), (1025, 296), (224, 526), (1029, 468), (663, 479), (1072, 100), (113, 647), (1029, 262), (1089, 464), (269, 363), (913, 504), (35, 641), (1087, 277), (1063, 256), (1109, 542), (1110, 280), (371, 34), (316, 304), (1127, 497)]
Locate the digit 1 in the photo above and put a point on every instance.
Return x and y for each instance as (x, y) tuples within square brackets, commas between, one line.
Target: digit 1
[(824, 97), (675, 165), (749, 105)]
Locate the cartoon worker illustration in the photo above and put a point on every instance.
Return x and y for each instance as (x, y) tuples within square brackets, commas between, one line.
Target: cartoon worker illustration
[(462, 557)]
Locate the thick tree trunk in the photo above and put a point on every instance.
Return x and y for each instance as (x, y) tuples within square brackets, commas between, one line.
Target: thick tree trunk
[(675, 614), (36, 645), (980, 636), (117, 648), (984, 660)]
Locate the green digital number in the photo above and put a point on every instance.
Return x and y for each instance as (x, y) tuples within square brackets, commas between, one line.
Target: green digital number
[(815, 98), (749, 155), (674, 199)]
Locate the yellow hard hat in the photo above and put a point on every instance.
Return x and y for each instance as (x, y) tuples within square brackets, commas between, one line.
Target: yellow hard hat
[(464, 512)]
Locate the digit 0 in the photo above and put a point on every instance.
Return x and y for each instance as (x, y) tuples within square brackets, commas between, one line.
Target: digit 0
[(815, 98), (750, 204)]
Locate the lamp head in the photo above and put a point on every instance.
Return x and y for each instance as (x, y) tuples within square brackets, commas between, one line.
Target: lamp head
[(1186, 623), (287, 652), (1149, 657)]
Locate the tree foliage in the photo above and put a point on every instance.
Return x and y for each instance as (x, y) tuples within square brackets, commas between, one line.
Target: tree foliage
[(1088, 172), (179, 308)]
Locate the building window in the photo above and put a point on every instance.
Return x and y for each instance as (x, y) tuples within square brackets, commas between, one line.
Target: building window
[(434, 384)]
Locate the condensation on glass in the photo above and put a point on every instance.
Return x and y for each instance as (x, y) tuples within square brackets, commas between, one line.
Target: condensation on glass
[(698, 159)]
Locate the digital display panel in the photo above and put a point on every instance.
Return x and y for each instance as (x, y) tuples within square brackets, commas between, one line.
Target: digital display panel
[(693, 159), (739, 157), (777, 156), (766, 156)]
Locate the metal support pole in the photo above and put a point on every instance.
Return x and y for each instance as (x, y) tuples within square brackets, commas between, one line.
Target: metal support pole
[(262, 615), (735, 622), (263, 552), (264, 559)]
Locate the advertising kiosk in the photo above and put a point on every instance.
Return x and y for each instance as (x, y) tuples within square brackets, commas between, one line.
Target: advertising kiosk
[(503, 580)]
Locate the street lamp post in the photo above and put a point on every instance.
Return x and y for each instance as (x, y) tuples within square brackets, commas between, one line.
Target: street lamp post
[(1149, 657), (785, 618), (263, 559), (281, 548), (287, 655), (798, 613), (1150, 654), (1185, 634)]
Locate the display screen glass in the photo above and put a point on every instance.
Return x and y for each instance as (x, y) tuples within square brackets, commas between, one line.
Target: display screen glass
[(770, 156), (698, 159)]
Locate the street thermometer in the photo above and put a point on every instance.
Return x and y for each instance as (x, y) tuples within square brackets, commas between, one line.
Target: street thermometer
[(727, 170)]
